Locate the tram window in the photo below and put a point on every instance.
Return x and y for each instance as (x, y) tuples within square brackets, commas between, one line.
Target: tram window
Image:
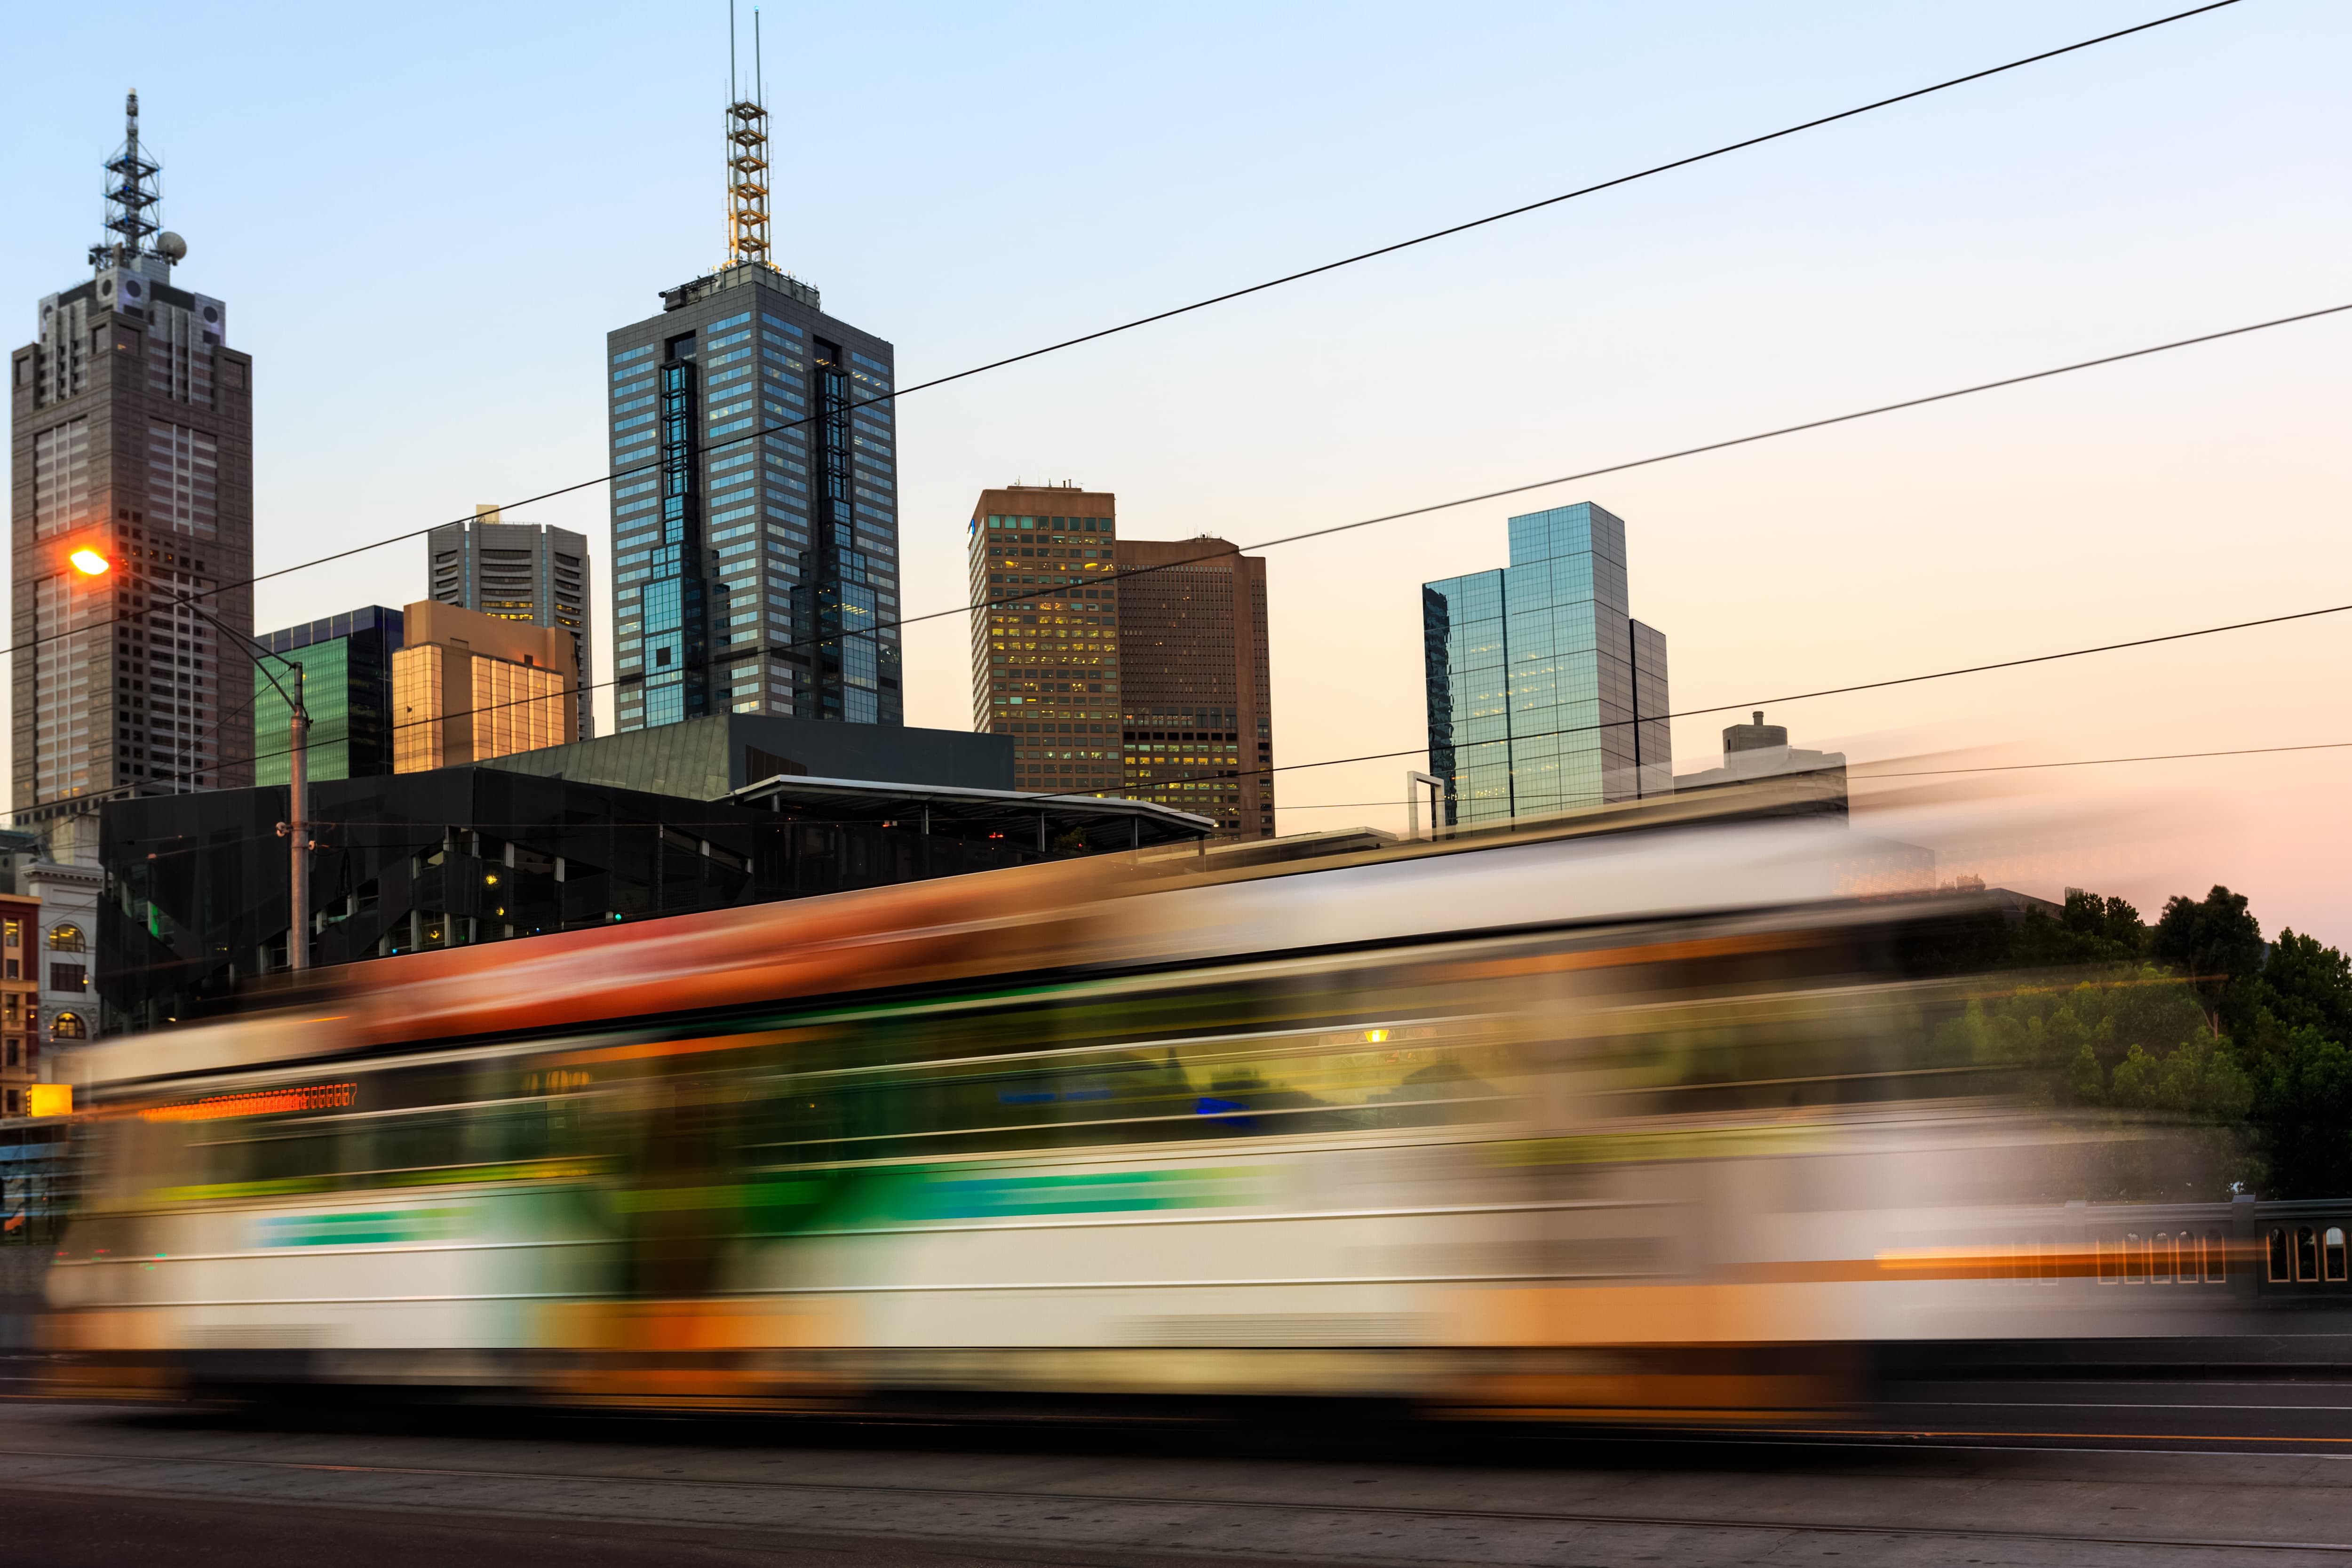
[(1240, 1085), (414, 1145), (2186, 1266), (2135, 1258), (2160, 1259), (2048, 1251), (2281, 1270), (2111, 1261), (2333, 1244), (2306, 1253), (2217, 1259)]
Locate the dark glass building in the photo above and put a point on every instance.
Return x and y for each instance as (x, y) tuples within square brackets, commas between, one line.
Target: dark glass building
[(346, 688), (1544, 693), (753, 568), (196, 901)]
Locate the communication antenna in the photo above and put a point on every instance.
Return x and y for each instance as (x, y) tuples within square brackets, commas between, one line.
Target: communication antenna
[(132, 195), (747, 156)]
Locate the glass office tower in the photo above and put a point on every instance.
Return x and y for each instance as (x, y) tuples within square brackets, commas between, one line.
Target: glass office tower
[(346, 690), (755, 519), (1544, 693)]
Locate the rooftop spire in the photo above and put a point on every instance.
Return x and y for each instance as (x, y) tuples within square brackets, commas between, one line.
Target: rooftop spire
[(747, 155), (132, 195)]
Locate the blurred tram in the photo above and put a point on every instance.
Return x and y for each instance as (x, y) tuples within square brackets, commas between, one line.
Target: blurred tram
[(1629, 1118)]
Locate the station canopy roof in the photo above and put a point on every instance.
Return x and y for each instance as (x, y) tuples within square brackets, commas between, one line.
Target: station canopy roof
[(1103, 824)]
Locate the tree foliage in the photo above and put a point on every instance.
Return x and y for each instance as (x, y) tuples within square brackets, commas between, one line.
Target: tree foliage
[(2194, 1018)]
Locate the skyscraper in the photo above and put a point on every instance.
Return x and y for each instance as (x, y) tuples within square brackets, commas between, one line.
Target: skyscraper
[(467, 687), (1544, 693), (1046, 670), (518, 572), (1198, 694), (755, 520), (346, 663), (131, 425)]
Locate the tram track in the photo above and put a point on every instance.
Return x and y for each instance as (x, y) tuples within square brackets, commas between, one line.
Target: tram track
[(1211, 1521)]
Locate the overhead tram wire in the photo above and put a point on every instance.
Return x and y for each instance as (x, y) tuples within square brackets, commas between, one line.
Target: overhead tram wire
[(1940, 773), (424, 830), (1743, 705), (1652, 460), (1524, 208)]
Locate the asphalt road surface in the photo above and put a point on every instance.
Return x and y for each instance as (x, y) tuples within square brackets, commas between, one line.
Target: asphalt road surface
[(2091, 1473)]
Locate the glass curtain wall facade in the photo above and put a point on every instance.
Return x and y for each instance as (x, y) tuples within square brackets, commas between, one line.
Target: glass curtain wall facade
[(346, 688), (1544, 693), (1045, 666), (755, 535)]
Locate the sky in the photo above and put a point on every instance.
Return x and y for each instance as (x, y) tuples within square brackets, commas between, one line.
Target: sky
[(425, 218)]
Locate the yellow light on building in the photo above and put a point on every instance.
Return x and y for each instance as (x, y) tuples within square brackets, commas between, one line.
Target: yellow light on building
[(48, 1099), (90, 563)]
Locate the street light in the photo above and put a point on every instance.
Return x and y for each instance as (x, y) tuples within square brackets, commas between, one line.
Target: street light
[(90, 563)]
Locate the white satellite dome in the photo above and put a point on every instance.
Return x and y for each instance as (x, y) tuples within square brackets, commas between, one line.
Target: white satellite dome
[(171, 247)]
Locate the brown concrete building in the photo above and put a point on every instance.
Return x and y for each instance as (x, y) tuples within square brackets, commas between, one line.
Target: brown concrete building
[(1198, 727), (467, 687), (132, 464), (20, 1000), (1046, 665)]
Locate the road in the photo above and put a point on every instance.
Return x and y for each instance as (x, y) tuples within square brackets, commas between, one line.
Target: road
[(2204, 1472)]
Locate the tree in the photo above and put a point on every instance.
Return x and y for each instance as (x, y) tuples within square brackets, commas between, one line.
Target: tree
[(2305, 986), (2303, 1107), (2218, 947)]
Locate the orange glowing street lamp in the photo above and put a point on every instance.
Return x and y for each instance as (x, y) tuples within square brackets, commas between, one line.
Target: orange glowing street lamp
[(90, 563)]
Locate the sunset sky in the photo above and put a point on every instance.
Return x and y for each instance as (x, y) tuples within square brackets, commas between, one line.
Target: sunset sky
[(425, 218)]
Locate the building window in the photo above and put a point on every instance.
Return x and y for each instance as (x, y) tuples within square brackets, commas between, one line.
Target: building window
[(68, 1027), (15, 933), (16, 1103), (69, 977), (16, 1051), (65, 938)]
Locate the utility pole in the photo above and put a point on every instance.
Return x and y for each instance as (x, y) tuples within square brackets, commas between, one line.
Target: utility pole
[(295, 829), (297, 835)]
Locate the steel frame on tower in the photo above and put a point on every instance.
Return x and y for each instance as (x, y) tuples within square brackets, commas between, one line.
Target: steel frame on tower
[(129, 194), (747, 184)]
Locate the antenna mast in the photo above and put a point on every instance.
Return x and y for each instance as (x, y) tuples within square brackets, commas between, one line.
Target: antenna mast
[(747, 156), (131, 194)]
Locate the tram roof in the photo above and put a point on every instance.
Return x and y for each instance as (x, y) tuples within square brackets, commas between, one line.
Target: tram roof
[(1105, 823)]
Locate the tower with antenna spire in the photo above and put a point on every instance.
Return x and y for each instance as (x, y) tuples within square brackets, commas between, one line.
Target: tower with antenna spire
[(133, 418), (754, 461), (747, 155)]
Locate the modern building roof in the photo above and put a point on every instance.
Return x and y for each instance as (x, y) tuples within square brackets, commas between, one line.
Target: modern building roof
[(1044, 820)]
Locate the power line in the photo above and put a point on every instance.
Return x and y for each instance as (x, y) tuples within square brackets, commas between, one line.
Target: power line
[(895, 394), (1541, 484), (1943, 772), (2107, 761), (1755, 702)]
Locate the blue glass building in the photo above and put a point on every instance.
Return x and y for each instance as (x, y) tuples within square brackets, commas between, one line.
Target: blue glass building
[(1545, 694), (755, 520)]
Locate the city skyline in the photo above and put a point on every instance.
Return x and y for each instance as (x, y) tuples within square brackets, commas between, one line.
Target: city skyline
[(1755, 559)]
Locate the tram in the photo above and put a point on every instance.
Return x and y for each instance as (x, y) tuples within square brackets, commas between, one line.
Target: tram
[(1630, 1120)]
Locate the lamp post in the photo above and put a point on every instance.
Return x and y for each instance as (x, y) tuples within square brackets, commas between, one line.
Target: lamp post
[(297, 831), (1413, 784)]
